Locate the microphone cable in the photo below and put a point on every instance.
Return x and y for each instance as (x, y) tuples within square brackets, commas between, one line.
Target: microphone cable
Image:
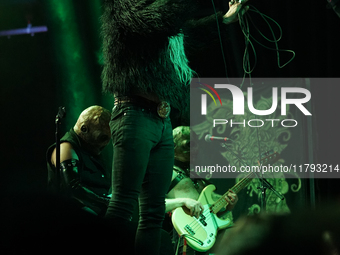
[(220, 40), (245, 21)]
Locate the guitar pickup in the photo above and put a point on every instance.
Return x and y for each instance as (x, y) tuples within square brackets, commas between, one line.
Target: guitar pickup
[(204, 223), (189, 230)]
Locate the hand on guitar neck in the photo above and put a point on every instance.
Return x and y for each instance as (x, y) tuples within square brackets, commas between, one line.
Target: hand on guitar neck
[(228, 202), (195, 208), (231, 199)]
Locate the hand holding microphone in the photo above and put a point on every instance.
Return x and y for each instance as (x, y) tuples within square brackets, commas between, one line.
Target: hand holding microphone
[(235, 7)]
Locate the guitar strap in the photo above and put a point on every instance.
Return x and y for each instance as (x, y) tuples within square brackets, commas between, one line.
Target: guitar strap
[(184, 246), (180, 176)]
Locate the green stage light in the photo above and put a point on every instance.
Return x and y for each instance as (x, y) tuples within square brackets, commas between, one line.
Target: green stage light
[(75, 85)]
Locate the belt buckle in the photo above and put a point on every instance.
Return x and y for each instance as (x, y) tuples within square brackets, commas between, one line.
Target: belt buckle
[(163, 109)]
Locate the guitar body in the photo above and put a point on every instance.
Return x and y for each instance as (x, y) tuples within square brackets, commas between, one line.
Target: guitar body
[(200, 233)]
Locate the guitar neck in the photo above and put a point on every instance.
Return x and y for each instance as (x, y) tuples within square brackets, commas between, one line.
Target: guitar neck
[(241, 184), (221, 202)]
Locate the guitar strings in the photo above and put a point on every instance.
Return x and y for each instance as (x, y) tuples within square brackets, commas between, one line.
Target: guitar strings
[(195, 224)]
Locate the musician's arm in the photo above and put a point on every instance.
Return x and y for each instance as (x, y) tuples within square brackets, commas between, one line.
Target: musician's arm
[(69, 170), (66, 152), (175, 198), (145, 18), (195, 207), (173, 203), (203, 32)]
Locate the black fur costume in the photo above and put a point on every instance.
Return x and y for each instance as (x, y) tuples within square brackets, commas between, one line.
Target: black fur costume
[(136, 38)]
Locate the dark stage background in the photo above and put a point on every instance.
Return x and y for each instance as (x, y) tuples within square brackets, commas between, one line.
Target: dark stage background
[(62, 67)]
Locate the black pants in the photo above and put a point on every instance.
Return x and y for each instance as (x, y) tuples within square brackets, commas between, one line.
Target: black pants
[(142, 168)]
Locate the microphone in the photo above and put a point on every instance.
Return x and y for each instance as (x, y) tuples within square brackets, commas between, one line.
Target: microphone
[(212, 138), (61, 114)]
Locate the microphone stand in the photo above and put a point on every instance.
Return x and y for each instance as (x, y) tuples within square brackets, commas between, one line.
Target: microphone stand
[(263, 188), (264, 183), (61, 114)]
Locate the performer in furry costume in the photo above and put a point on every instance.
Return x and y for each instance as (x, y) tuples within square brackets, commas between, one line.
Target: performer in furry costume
[(146, 70)]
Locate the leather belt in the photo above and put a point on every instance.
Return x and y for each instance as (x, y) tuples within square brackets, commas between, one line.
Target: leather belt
[(163, 108)]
